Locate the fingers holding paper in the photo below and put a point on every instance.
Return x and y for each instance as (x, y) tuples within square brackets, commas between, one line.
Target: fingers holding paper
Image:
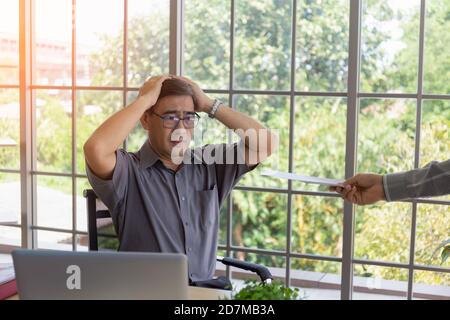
[(362, 189)]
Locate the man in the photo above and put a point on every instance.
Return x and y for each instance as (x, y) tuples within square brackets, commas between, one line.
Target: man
[(158, 202), (367, 188)]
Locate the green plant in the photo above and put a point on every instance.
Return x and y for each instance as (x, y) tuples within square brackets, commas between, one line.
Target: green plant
[(254, 290), (445, 253)]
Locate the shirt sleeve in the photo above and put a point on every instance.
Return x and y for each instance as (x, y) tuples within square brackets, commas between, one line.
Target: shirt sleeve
[(231, 170), (431, 180), (113, 190)]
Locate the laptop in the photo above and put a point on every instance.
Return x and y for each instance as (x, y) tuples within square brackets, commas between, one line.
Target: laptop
[(49, 274)]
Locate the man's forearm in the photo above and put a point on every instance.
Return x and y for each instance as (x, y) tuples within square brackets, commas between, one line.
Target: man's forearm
[(242, 123), (111, 134), (432, 180)]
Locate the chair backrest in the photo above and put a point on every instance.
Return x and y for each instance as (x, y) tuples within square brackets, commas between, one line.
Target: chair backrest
[(94, 214)]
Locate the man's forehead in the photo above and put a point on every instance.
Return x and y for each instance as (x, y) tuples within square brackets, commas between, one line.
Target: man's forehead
[(175, 104)]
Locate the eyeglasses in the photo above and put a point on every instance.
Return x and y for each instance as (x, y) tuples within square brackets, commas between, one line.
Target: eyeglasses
[(172, 121)]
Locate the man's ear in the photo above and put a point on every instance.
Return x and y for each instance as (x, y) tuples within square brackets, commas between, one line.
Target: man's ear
[(145, 120)]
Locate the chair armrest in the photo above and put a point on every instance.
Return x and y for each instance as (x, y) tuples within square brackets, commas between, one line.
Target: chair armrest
[(262, 271)]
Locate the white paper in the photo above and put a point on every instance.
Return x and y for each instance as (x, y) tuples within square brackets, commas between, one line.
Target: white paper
[(303, 178)]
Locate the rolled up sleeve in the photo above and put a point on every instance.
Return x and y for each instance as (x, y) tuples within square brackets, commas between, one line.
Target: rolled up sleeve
[(111, 191)]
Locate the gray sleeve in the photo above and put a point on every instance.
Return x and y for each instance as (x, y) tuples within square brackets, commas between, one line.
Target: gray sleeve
[(432, 180), (229, 172), (111, 191)]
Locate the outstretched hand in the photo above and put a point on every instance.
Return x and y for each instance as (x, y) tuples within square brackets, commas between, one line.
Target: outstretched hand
[(362, 189)]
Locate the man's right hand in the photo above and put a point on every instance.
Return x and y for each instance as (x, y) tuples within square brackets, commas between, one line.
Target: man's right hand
[(150, 90), (362, 189)]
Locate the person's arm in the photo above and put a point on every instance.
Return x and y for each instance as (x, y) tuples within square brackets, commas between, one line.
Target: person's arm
[(260, 142), (366, 188), (100, 148), (430, 181)]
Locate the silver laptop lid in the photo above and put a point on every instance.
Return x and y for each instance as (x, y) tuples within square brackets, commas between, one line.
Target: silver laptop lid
[(48, 274)]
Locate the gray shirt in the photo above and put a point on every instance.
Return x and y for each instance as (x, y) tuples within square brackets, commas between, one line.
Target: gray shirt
[(156, 209), (432, 180)]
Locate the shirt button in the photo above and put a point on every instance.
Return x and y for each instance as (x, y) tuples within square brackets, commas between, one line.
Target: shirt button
[(186, 223), (182, 198), (189, 249)]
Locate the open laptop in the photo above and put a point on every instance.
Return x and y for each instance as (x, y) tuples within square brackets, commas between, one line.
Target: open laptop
[(48, 274)]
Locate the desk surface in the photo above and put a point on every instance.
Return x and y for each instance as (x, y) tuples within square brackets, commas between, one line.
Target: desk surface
[(194, 293)]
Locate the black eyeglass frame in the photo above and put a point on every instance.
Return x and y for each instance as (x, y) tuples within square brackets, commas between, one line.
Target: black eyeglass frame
[(177, 120)]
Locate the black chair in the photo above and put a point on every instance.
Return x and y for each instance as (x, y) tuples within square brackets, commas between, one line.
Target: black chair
[(94, 214)]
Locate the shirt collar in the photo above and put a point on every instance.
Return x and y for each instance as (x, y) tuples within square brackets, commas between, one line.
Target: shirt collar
[(148, 157)]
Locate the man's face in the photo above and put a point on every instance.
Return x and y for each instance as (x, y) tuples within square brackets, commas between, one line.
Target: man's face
[(163, 136)]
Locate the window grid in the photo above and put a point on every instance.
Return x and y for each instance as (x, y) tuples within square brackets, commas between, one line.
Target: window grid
[(176, 25)]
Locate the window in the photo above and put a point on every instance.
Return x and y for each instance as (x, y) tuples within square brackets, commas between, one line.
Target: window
[(289, 63)]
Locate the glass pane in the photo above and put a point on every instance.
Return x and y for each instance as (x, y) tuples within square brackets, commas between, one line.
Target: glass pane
[(148, 39), (263, 44), (432, 229), (322, 45), (259, 219), (276, 265), (437, 55), (317, 280), (10, 236), (379, 283), (108, 244), (82, 184), (10, 202), (82, 242), (53, 44), (207, 43), (99, 44), (104, 243), (317, 225), (93, 108), (319, 139), (9, 42), (9, 129), (382, 233), (390, 46), (431, 285), (105, 227), (54, 240), (53, 130), (386, 135), (435, 137), (273, 113), (138, 135), (54, 202)]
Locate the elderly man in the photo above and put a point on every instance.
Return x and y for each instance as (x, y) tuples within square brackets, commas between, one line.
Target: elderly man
[(165, 198)]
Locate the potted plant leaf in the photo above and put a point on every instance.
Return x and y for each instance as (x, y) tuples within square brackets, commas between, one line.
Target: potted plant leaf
[(255, 290)]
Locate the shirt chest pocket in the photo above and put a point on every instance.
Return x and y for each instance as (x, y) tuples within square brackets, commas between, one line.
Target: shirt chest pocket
[(205, 207)]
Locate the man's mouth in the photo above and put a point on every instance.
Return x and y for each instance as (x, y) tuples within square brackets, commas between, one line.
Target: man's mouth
[(176, 141)]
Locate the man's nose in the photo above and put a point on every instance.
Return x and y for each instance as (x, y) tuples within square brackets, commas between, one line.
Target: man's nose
[(180, 125)]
